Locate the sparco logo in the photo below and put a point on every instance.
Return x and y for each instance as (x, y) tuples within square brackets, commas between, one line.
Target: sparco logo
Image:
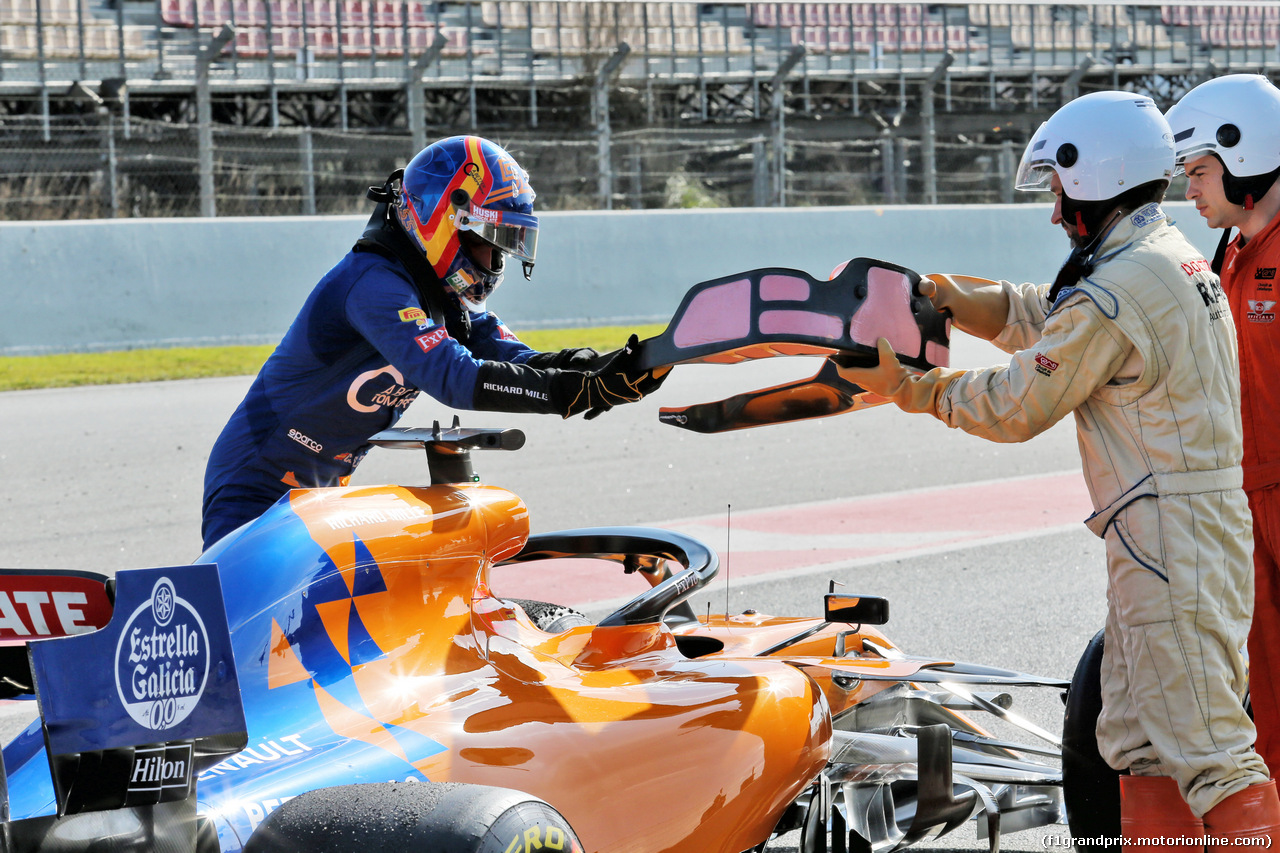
[(162, 659), (306, 441)]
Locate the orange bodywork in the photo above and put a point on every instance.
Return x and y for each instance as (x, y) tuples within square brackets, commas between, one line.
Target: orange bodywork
[(639, 746)]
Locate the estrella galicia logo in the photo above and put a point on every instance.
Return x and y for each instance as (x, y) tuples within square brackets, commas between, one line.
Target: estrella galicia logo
[(162, 659)]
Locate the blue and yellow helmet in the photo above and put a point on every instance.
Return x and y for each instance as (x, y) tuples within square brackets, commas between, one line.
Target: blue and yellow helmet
[(461, 190)]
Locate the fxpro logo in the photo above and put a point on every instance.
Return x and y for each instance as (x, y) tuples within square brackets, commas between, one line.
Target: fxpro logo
[(162, 659)]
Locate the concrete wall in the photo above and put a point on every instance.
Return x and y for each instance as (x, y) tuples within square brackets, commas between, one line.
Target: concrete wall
[(122, 284)]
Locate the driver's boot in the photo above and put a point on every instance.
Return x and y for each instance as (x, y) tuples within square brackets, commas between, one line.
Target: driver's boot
[(1153, 807), (1251, 813)]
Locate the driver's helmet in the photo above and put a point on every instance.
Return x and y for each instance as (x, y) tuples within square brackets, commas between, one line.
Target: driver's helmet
[(1237, 119), (464, 190), (1101, 145)]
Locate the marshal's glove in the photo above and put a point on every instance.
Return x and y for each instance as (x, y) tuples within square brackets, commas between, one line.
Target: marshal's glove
[(910, 390), (978, 306)]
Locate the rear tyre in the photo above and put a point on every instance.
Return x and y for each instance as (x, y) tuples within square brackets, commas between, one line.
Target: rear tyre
[(413, 817), (552, 618), (1090, 788)]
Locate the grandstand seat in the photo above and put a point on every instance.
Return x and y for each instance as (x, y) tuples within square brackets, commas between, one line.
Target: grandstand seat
[(420, 38), (1150, 35), (420, 15), (839, 39), (286, 13), (387, 13), (61, 42), (214, 12), (60, 11), (763, 15), (101, 41), (178, 13), (357, 42), (355, 13), (456, 44), (862, 39), (389, 41), (659, 40), (135, 41), (18, 11), (935, 38), (251, 43), (18, 41)]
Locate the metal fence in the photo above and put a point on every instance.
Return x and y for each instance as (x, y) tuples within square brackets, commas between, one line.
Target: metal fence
[(101, 167)]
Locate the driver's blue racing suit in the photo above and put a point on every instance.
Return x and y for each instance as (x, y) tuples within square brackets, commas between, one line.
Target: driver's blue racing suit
[(356, 356)]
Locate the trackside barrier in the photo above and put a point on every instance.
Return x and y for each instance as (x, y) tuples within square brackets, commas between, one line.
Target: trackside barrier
[(130, 283)]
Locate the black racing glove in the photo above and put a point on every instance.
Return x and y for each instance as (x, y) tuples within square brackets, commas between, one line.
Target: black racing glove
[(509, 387), (583, 359), (623, 381)]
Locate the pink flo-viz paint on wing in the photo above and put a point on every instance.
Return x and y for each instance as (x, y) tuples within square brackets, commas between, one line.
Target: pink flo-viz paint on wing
[(720, 313), (801, 323), (778, 287), (886, 313)]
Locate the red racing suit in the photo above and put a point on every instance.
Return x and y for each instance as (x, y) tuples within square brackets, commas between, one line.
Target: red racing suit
[(1249, 278)]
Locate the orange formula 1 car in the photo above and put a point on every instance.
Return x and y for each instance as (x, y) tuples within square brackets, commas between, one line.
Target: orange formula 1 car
[(392, 701)]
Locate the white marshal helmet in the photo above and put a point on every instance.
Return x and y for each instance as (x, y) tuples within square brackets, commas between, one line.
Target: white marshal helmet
[(1101, 145), (1237, 118)]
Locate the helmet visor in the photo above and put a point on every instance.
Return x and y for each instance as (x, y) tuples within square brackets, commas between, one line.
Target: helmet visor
[(1036, 170), (509, 232)]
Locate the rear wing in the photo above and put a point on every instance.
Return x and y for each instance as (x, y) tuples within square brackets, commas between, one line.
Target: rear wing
[(137, 691), (772, 312)]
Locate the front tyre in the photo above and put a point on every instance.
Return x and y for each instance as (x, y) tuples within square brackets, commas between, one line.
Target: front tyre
[(1090, 788), (413, 817)]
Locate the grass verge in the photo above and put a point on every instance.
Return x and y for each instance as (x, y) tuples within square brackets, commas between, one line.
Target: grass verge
[(155, 365)]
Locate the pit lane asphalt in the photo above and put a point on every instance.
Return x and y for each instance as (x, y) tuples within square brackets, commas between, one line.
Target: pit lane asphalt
[(109, 477)]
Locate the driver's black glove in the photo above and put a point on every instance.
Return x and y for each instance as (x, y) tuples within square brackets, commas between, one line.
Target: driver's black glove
[(583, 359), (622, 380), (508, 387)]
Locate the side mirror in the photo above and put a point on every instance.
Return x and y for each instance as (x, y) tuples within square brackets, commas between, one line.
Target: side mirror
[(856, 609)]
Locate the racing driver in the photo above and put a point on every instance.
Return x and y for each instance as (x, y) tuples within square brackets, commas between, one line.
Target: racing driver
[(403, 312), (1135, 337), (1226, 132)]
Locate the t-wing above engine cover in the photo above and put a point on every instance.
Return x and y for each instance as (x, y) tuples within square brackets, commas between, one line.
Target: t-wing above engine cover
[(773, 312)]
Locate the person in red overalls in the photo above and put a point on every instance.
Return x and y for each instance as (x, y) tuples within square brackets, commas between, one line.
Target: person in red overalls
[(1227, 137)]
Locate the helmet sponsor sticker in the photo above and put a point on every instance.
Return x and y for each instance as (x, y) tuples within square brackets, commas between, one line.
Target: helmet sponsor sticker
[(1260, 310), (1045, 365), (484, 214), (162, 659), (431, 339)]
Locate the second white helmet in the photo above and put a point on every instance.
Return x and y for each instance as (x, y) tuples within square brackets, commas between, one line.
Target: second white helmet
[(1101, 145), (1236, 118)]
